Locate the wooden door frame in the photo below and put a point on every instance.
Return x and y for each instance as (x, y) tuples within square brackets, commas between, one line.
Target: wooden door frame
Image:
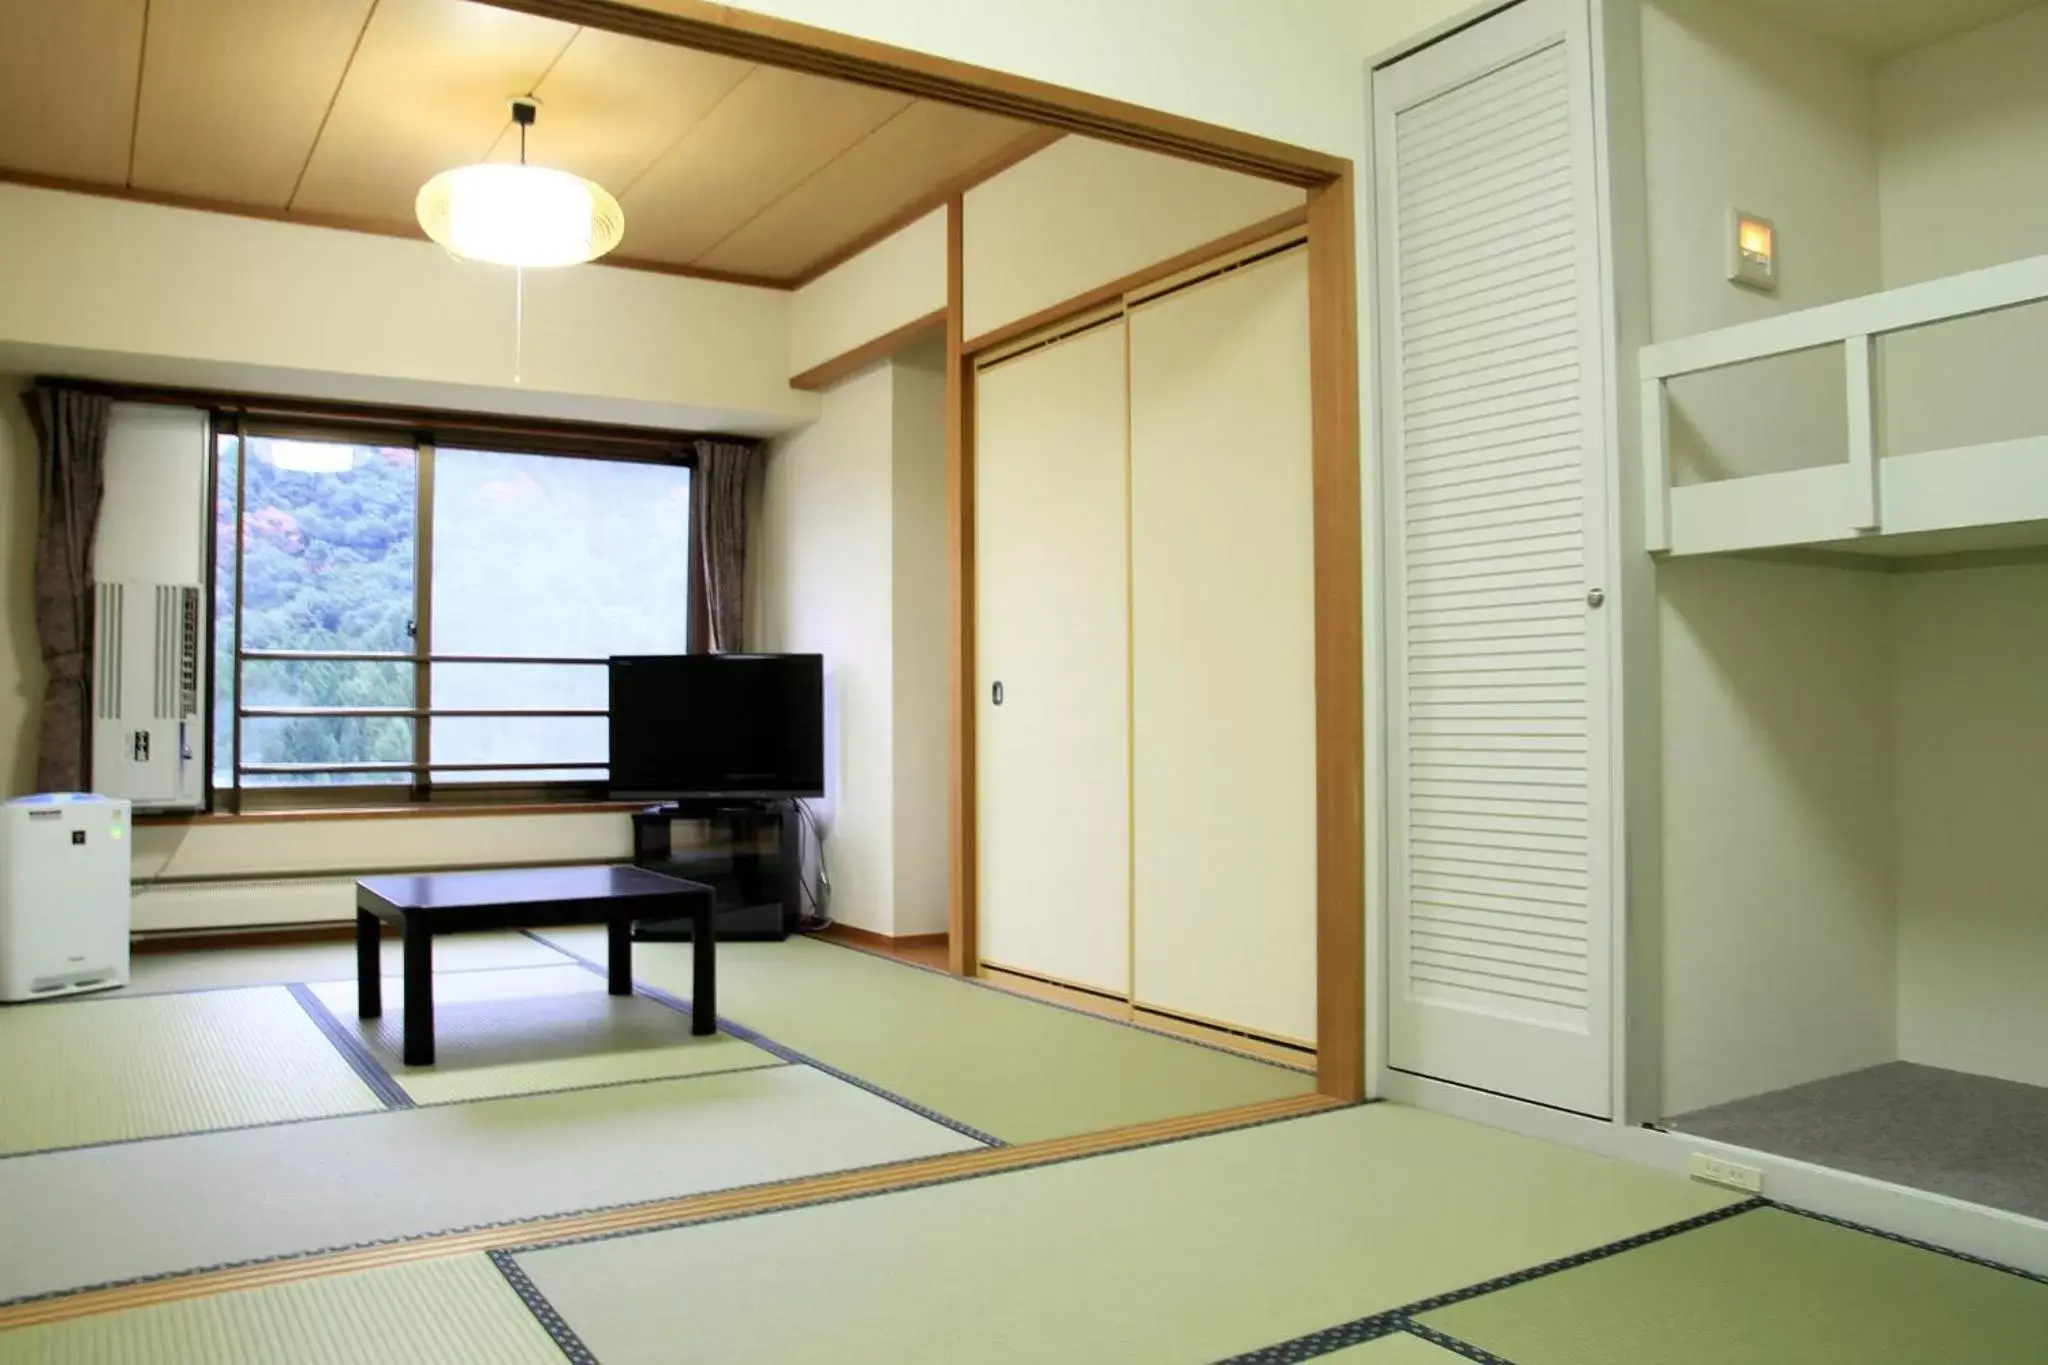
[(1333, 368)]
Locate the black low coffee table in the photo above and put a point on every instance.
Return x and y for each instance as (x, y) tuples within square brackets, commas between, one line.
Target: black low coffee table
[(455, 902)]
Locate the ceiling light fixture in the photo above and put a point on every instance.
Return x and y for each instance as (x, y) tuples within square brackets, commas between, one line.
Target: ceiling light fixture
[(520, 215), (306, 457)]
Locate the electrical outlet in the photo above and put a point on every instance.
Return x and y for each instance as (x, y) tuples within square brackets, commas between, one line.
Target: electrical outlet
[(1727, 1174)]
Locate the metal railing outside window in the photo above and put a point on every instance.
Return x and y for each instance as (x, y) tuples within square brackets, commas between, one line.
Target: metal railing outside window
[(327, 682)]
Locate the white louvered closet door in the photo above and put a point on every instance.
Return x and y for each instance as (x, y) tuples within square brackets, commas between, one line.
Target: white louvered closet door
[(1495, 491)]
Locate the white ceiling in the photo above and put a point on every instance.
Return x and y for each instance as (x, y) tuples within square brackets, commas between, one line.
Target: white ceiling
[(1887, 28)]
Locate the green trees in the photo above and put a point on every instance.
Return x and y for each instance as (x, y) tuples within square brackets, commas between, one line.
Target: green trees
[(534, 556), (327, 561)]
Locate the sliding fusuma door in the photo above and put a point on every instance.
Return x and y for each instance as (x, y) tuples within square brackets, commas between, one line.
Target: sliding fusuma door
[(1052, 628)]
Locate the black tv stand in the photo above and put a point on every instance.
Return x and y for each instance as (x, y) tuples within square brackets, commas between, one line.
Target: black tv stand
[(752, 859)]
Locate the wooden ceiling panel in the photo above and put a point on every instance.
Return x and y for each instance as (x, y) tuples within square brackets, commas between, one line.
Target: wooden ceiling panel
[(67, 86), (233, 92), (907, 159), (770, 134), (427, 91), (337, 111), (612, 105)]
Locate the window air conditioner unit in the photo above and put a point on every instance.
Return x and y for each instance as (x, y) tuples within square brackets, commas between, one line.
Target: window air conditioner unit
[(147, 736)]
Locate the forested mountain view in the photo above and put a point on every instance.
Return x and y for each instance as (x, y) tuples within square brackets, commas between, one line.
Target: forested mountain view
[(533, 556)]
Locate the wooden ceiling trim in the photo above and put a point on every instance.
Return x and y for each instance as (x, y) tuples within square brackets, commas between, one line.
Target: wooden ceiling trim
[(427, 91), (827, 373), (375, 227), (508, 131), (1029, 145), (67, 86), (777, 129), (135, 97), (611, 106), (758, 214), (824, 52), (333, 96), (685, 134), (233, 93), (928, 145)]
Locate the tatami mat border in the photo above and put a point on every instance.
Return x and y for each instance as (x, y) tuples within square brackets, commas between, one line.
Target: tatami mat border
[(1915, 1243), (371, 1113), (350, 1045), (1360, 1330), (196, 1132), (115, 996), (1306, 1069), (961, 1178), (788, 1054), (428, 1239), (1453, 1344), (548, 1230), (552, 1322)]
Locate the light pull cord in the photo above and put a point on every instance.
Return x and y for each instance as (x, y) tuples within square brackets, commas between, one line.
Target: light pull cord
[(519, 290)]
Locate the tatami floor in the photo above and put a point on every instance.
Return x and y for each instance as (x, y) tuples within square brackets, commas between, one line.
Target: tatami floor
[(221, 1164)]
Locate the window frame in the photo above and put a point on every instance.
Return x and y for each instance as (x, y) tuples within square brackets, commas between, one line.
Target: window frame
[(425, 432)]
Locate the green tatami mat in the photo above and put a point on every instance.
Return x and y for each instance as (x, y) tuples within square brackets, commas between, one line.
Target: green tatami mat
[(1402, 1348), (1019, 1069), (213, 968), (449, 1312), (1764, 1288), (147, 1208), (1186, 1251), (525, 1030), (75, 1073)]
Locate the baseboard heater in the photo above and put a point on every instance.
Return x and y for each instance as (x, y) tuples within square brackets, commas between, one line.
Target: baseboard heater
[(250, 904)]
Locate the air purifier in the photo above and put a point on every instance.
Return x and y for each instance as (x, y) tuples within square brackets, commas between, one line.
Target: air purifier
[(64, 912)]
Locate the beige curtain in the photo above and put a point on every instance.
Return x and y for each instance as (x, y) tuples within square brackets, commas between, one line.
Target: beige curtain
[(71, 436), (718, 489)]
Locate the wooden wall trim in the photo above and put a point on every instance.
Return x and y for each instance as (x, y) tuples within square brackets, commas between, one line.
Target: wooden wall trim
[(344, 223), (734, 32), (827, 373), (1022, 149), (1115, 289), (1340, 644), (665, 1213), (963, 945), (422, 810), (868, 938)]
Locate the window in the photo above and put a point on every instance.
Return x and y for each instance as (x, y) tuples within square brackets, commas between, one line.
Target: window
[(418, 619)]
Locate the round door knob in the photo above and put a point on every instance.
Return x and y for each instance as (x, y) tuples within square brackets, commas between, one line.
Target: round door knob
[(1596, 598)]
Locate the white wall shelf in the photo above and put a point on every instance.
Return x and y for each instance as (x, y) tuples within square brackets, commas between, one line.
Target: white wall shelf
[(1898, 505)]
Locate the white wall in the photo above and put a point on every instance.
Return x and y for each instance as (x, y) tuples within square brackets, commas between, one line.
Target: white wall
[(1779, 934), (1972, 819), (848, 561), (1963, 137), (1290, 73), (270, 871), (107, 289), (137, 291), (1779, 931), (1963, 131), (922, 670), (890, 285), (821, 561), (1741, 111), (1082, 213)]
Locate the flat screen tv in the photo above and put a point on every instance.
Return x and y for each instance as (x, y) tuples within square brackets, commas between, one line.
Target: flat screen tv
[(717, 725)]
